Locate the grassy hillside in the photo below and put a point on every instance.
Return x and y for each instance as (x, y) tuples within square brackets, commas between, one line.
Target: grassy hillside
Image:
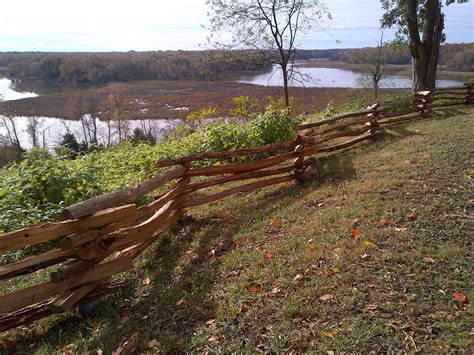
[(364, 257)]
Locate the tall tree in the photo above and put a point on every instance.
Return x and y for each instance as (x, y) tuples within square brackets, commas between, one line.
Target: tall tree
[(271, 26), (421, 23)]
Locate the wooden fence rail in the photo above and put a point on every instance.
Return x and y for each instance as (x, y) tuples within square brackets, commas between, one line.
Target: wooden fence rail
[(100, 237)]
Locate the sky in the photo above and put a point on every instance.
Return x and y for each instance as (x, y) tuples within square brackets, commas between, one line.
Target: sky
[(123, 25)]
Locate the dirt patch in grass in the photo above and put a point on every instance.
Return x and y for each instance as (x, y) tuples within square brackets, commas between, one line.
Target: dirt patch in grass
[(282, 269)]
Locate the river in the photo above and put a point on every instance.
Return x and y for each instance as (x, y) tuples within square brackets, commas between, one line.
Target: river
[(51, 130), (330, 78)]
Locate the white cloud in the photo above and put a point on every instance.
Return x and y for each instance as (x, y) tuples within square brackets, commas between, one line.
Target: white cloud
[(94, 25)]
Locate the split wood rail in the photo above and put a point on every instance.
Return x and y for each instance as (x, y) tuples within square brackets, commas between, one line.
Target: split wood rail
[(100, 237)]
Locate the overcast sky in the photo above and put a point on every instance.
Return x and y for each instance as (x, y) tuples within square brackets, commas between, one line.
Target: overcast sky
[(122, 25)]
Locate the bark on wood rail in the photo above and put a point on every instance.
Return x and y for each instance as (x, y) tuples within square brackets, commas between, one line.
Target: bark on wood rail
[(227, 154), (243, 188), (238, 176), (338, 117), (246, 167), (112, 199), (31, 295), (33, 263), (49, 231), (335, 126), (41, 310)]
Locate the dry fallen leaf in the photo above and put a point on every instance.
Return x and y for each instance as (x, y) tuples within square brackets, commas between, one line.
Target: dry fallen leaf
[(179, 302), (276, 224), (243, 308), (147, 281), (153, 343), (117, 351), (430, 260), (460, 297), (411, 215), (369, 244), (355, 233), (326, 297), (268, 256), (125, 316), (298, 277), (210, 321), (275, 290), (330, 334), (254, 288), (214, 339), (384, 222)]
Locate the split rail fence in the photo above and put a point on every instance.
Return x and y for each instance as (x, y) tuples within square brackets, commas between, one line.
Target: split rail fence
[(100, 237)]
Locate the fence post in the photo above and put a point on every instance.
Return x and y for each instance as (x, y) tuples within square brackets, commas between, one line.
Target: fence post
[(421, 100), (469, 93), (299, 162), (373, 122)]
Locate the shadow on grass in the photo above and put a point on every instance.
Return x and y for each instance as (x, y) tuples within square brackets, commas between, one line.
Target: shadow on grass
[(449, 112), (183, 267)]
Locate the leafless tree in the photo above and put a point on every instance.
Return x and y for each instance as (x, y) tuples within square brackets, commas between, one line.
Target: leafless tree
[(91, 107), (271, 26), (8, 122), (77, 110), (374, 69), (116, 100), (33, 128)]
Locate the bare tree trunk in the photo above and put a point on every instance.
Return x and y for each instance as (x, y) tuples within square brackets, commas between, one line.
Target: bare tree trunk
[(15, 134), (34, 124), (285, 85), (425, 51), (84, 128), (94, 129), (109, 132)]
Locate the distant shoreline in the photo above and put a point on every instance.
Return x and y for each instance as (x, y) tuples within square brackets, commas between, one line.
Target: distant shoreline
[(392, 69)]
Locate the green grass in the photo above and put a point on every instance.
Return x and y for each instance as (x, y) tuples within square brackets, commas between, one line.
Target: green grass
[(391, 289)]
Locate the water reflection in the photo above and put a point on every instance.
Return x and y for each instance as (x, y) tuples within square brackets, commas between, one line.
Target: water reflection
[(7, 92), (330, 77), (50, 130)]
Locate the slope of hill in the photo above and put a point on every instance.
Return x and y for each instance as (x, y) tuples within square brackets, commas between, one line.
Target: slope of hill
[(365, 257)]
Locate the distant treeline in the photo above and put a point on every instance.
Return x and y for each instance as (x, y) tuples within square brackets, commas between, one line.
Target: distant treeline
[(200, 65), (458, 57), (126, 66)]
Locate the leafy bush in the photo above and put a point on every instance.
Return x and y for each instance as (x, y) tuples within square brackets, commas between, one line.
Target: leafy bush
[(244, 106), (37, 188)]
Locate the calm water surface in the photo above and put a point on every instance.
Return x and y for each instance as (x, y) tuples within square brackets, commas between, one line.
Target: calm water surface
[(330, 77), (51, 130)]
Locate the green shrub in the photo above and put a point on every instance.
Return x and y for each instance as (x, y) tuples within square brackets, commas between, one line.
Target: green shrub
[(37, 188)]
